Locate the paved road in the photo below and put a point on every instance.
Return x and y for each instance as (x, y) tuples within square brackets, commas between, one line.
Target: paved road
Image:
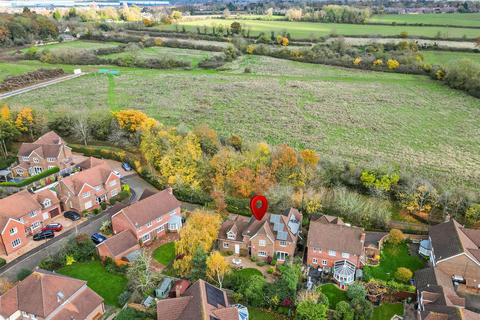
[(32, 258), (40, 85)]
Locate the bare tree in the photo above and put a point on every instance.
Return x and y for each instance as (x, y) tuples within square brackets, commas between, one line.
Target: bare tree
[(82, 127)]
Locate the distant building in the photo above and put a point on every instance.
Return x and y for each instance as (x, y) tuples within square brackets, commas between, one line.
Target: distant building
[(51, 4)]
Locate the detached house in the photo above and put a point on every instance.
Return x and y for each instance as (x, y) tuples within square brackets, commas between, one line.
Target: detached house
[(275, 235), (46, 152), (201, 301), (336, 245), (47, 295), (150, 217), (85, 190), (24, 213)]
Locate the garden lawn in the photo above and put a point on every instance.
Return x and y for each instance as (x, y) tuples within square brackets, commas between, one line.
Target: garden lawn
[(392, 258), (260, 314), (309, 30), (165, 253), (107, 284), (387, 310), (248, 272), (333, 293), (452, 19)]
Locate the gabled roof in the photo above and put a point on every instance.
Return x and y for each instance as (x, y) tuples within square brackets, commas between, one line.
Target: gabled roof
[(43, 292), (338, 237), (48, 145), (90, 162), (93, 177), (21, 203), (328, 219), (201, 301), (50, 137), (120, 243), (151, 208)]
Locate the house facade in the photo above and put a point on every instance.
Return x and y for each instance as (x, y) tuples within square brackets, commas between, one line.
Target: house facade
[(275, 235), (151, 217), (87, 189), (47, 295), (47, 152), (24, 213)]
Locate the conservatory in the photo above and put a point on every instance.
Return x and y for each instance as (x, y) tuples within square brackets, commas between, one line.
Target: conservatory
[(425, 248), (344, 272)]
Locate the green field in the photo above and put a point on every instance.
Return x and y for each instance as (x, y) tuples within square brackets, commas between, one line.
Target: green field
[(21, 67), (308, 30), (453, 19), (345, 114), (189, 55), (445, 57), (78, 44)]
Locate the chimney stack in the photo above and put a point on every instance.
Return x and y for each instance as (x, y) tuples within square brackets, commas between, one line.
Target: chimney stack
[(362, 238), (177, 290), (170, 190)]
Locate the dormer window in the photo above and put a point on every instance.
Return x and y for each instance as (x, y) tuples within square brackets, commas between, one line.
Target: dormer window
[(32, 214), (51, 159), (47, 203), (86, 194), (24, 158), (231, 235)]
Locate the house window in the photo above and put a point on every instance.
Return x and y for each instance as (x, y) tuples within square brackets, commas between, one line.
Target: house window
[(324, 262), (98, 188), (149, 224), (47, 203), (314, 261), (35, 225), (172, 226), (51, 159), (88, 205), (114, 193), (332, 253), (19, 171), (160, 229), (32, 214), (173, 212), (51, 167), (231, 236), (262, 243), (146, 237), (16, 243), (13, 231), (159, 219), (262, 254), (345, 255), (25, 158), (283, 243), (113, 183), (225, 245), (282, 255), (86, 195), (35, 160)]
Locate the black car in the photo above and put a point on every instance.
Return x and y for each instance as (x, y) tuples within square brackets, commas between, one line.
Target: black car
[(98, 238), (72, 215), (47, 234)]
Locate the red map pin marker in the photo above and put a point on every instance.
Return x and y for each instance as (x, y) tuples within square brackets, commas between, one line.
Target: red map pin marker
[(258, 206)]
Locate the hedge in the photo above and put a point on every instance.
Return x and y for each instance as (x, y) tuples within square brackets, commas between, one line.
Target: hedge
[(32, 179)]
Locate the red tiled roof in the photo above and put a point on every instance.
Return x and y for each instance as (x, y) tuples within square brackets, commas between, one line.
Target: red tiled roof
[(341, 238)]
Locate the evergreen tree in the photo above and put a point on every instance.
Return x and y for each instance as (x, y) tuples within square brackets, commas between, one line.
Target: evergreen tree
[(199, 265)]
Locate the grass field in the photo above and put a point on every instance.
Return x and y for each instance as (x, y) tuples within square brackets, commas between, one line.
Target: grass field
[(78, 44), (21, 67), (345, 114), (333, 293), (453, 19), (307, 30), (189, 55), (165, 253), (108, 285), (445, 57)]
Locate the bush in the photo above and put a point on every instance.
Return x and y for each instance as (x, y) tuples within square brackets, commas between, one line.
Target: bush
[(123, 297), (2, 262), (395, 236), (261, 264), (403, 274), (271, 270), (103, 205), (23, 273)]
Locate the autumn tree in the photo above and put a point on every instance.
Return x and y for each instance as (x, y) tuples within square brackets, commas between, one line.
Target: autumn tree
[(421, 198), (395, 237), (25, 121), (242, 182), (208, 139), (201, 230), (130, 120), (284, 164), (8, 130), (308, 164), (472, 215), (5, 113), (223, 164), (5, 285), (199, 265), (403, 274), (217, 267)]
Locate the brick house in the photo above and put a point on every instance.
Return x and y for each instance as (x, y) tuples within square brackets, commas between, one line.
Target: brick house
[(47, 295), (46, 152), (150, 217), (24, 213), (331, 243), (275, 235), (85, 190), (120, 247)]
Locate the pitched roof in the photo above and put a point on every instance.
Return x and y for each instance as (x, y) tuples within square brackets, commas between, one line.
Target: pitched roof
[(424, 278), (120, 243), (80, 307), (48, 145), (50, 137), (336, 237), (201, 301), (152, 207), (90, 162), (373, 238), (94, 176), (329, 219), (19, 204), (42, 292)]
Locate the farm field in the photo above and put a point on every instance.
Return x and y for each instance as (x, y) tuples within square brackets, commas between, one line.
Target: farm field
[(78, 44), (405, 120), (307, 30), (188, 55), (453, 19), (21, 67), (444, 57)]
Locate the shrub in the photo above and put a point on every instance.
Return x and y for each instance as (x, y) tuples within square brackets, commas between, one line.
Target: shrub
[(271, 270), (2, 262), (23, 273), (392, 64), (395, 236), (403, 274), (123, 297), (103, 205), (261, 263)]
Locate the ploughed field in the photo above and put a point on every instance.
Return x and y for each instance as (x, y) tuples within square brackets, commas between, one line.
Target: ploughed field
[(345, 114)]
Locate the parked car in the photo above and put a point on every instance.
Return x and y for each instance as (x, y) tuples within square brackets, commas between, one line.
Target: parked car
[(117, 173), (98, 238), (55, 227), (47, 234), (72, 215), (126, 166)]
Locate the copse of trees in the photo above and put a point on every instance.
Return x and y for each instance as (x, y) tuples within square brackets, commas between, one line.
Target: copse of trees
[(337, 14), (26, 27)]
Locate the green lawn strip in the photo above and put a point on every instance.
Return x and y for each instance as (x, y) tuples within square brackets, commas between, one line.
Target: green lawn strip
[(165, 253), (333, 293), (387, 310), (77, 44), (391, 258), (453, 19), (446, 57), (260, 314), (248, 272), (107, 284)]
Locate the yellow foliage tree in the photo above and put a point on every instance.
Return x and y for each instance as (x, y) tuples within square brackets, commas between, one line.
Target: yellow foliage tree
[(25, 121), (357, 61), (201, 230), (393, 64), (130, 120), (250, 49), (5, 113), (378, 62), (217, 267)]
